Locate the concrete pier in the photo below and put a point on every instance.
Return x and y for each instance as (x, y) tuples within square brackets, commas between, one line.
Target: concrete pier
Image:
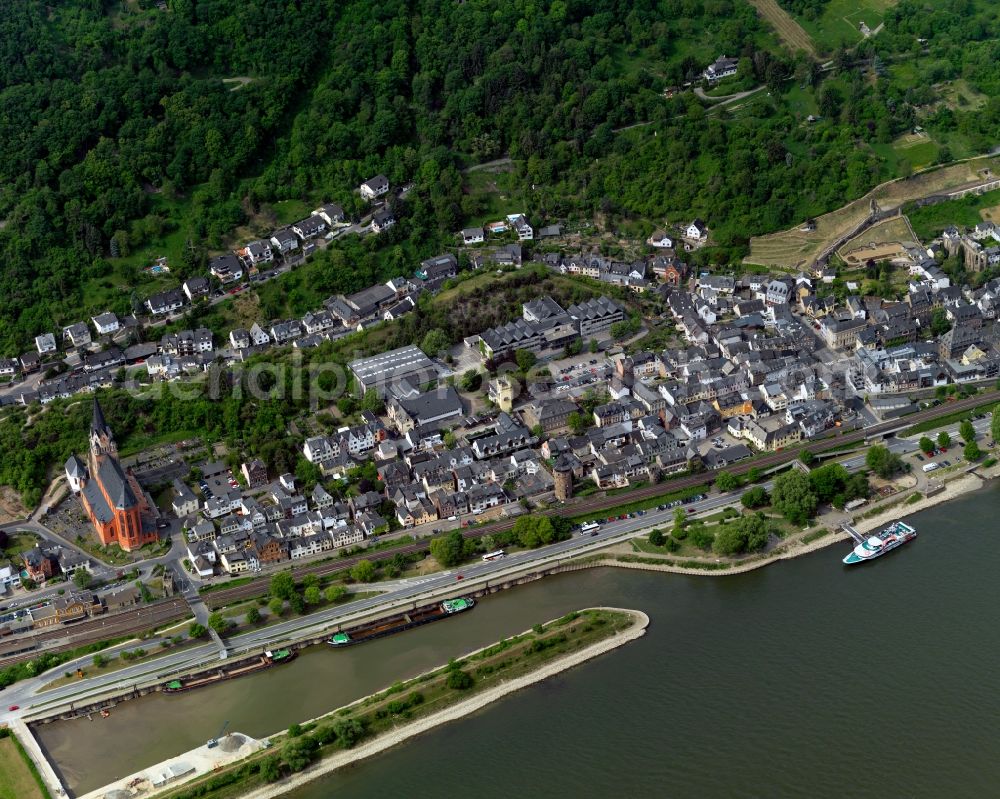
[(31, 746)]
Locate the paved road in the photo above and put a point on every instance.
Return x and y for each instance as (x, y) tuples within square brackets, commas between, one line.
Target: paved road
[(397, 591), (226, 596)]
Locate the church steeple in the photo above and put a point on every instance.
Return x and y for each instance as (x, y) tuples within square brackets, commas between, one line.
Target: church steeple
[(102, 442)]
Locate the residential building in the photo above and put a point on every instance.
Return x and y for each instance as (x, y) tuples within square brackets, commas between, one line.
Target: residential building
[(331, 213), (239, 338), (77, 335), (255, 473), (284, 241), (374, 187), (660, 240), (310, 227), (165, 302), (45, 343), (30, 362), (258, 252), (697, 230), (106, 323), (226, 268), (258, 336), (437, 267), (185, 503), (520, 225), (722, 67), (383, 220), (196, 287), (473, 235)]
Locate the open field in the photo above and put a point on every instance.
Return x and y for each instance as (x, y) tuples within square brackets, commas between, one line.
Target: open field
[(917, 148), (790, 32), (930, 220), (958, 95), (16, 780), (794, 248), (991, 214), (880, 242), (839, 24)]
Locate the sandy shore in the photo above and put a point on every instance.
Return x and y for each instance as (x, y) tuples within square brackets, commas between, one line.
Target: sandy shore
[(457, 711), (953, 489)]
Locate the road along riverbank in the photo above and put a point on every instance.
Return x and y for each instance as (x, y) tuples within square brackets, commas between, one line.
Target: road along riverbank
[(405, 710), (906, 503)]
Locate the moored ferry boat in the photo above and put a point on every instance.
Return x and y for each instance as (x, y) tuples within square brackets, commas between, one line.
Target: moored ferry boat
[(895, 535), (366, 632)]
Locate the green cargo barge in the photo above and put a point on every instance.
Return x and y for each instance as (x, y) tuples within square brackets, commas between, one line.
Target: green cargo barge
[(265, 661), (405, 621)]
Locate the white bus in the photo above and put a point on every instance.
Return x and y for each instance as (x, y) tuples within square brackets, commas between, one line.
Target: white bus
[(586, 528), (498, 555)]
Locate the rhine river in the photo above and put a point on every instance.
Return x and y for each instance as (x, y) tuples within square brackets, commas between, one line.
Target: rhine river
[(805, 678)]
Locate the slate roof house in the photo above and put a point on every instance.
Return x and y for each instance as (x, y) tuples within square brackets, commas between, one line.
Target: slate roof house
[(374, 187)]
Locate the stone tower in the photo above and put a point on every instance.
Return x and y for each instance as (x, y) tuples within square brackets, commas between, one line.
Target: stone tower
[(562, 473), (102, 442)]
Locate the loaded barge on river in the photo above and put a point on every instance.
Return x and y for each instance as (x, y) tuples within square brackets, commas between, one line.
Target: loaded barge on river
[(265, 661), (395, 624)]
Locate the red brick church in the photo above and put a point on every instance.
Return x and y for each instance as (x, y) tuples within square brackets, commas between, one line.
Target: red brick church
[(112, 497)]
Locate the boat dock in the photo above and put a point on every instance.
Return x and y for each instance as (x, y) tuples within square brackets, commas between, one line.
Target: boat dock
[(858, 538)]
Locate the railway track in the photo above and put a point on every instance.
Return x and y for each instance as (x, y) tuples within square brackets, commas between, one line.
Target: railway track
[(103, 628), (830, 440), (130, 622)]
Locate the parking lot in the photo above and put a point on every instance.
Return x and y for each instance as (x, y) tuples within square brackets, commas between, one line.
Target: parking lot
[(218, 484)]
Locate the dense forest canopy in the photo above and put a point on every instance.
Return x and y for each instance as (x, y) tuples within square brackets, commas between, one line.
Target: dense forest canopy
[(117, 123), (124, 124)]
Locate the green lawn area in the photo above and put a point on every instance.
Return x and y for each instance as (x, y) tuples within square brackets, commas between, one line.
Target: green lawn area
[(20, 542), (16, 779), (801, 102), (141, 442), (930, 220), (289, 211), (839, 23), (919, 153), (494, 196)]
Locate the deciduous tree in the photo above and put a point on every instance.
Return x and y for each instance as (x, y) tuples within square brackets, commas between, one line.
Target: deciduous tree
[(363, 571), (793, 497)]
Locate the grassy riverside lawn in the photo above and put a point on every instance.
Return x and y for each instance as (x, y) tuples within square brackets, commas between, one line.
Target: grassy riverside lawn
[(19, 778), (944, 421), (390, 710), (642, 504)]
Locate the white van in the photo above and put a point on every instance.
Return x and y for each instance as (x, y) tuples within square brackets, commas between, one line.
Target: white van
[(930, 467)]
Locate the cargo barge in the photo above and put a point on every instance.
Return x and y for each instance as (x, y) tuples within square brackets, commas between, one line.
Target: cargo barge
[(265, 661), (379, 629)]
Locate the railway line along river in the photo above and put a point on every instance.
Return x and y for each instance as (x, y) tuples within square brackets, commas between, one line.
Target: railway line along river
[(803, 678)]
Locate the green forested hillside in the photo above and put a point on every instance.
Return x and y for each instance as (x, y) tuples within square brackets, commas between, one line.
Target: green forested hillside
[(130, 130), (99, 107)]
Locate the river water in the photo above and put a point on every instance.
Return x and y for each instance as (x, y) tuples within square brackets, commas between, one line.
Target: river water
[(803, 678)]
